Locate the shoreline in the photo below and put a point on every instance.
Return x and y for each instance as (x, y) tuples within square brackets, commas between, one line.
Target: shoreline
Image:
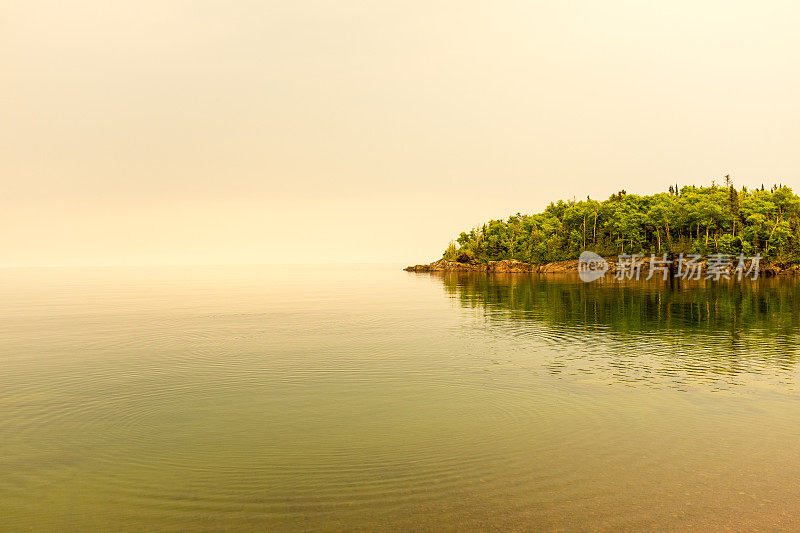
[(557, 267)]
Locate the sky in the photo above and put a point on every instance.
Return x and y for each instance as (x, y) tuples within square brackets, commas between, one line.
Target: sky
[(251, 132)]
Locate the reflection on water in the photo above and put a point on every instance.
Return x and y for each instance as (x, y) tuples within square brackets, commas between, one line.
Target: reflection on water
[(374, 399), (656, 332)]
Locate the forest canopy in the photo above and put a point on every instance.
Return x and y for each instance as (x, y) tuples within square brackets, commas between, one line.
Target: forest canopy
[(698, 220)]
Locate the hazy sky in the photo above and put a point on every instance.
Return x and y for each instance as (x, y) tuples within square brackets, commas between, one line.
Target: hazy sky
[(252, 131)]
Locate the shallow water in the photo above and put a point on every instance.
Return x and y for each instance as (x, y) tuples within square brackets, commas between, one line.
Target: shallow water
[(370, 398)]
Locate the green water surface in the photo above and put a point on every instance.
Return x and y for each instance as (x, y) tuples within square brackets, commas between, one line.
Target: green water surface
[(367, 398)]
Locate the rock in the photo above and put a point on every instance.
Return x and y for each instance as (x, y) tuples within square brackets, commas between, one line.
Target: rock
[(791, 269), (418, 268), (569, 266), (510, 265), (453, 266), (443, 265), (769, 271)]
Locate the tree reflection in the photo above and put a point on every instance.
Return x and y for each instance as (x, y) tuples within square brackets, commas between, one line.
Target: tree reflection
[(713, 327)]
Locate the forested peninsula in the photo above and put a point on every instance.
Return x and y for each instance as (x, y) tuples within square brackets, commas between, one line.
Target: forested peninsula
[(718, 219)]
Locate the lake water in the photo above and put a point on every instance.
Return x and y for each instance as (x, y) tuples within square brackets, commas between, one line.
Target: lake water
[(374, 399)]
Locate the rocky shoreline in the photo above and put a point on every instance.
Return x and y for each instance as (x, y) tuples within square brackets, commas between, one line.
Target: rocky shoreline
[(507, 265), (559, 267)]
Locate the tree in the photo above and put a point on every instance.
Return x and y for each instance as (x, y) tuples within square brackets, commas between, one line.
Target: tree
[(733, 207), (692, 219)]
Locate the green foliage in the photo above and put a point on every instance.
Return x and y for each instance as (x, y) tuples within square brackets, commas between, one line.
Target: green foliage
[(690, 220), (451, 254), (466, 256)]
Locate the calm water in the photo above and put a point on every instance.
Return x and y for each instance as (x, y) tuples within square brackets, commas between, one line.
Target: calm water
[(371, 398)]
